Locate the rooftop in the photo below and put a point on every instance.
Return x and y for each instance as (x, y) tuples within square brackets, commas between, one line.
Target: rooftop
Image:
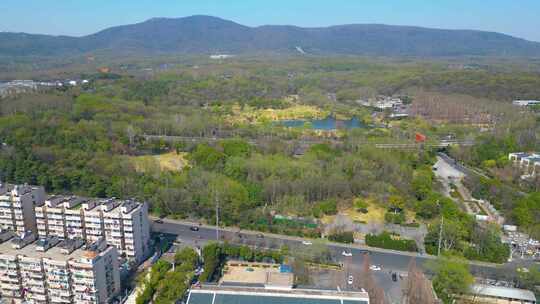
[(503, 292), (248, 295), (59, 251)]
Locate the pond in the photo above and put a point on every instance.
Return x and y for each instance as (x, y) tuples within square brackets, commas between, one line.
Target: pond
[(328, 124)]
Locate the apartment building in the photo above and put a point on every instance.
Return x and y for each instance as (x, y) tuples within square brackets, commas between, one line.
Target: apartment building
[(17, 207), (61, 216), (58, 271), (123, 224), (529, 163)]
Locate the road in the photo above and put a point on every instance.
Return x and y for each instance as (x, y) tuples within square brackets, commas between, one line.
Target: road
[(381, 145), (389, 260)]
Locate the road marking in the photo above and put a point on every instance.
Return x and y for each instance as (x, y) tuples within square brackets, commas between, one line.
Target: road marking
[(214, 298)]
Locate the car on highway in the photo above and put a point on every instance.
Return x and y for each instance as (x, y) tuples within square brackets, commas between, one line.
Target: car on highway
[(307, 243), (194, 228), (375, 267), (158, 221), (350, 280), (347, 254)]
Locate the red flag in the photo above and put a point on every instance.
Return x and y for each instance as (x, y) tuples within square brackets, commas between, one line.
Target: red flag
[(419, 137)]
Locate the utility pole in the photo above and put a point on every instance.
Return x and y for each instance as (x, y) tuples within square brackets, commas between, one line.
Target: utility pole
[(440, 235), (217, 215)]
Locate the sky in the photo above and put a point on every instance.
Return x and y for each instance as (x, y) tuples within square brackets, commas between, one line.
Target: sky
[(519, 18)]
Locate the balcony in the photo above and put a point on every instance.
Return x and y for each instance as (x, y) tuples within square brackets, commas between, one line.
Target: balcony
[(10, 286), (36, 297)]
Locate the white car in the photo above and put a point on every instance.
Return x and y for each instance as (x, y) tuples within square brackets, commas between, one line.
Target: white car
[(347, 254), (307, 243), (350, 280), (375, 267)]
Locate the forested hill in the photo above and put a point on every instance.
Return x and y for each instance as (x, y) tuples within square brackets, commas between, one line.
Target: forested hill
[(207, 35)]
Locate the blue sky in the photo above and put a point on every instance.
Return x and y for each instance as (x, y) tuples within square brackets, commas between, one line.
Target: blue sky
[(80, 17)]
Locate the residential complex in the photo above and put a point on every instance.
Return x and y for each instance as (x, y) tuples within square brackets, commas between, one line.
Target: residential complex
[(17, 207), (51, 270), (123, 224), (529, 163)]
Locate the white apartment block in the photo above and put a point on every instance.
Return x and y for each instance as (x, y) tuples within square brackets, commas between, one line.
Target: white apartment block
[(123, 224), (529, 163), (17, 207), (54, 271)]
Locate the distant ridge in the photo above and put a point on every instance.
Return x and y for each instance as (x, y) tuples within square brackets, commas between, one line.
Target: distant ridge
[(206, 35)]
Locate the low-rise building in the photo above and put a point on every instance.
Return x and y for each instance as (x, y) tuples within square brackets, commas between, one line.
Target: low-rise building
[(525, 103), (54, 271), (487, 294), (236, 294)]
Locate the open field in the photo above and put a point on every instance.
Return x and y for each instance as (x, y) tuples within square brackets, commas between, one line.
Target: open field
[(165, 162)]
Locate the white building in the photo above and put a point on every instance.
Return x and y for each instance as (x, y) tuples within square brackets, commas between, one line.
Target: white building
[(50, 271), (524, 103), (123, 224), (529, 163), (17, 207)]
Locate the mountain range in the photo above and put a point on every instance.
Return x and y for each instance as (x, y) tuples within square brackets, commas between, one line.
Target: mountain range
[(211, 35)]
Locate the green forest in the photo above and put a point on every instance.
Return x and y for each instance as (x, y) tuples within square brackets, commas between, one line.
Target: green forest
[(91, 141)]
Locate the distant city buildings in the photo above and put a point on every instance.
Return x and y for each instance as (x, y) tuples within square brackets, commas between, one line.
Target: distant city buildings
[(221, 56), (16, 87)]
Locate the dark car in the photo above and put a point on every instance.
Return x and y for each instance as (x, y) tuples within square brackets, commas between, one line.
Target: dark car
[(194, 228), (158, 221), (366, 252), (394, 277)]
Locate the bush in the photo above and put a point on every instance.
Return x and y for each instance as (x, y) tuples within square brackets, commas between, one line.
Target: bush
[(394, 218), (385, 240), (360, 204), (342, 237), (328, 207)]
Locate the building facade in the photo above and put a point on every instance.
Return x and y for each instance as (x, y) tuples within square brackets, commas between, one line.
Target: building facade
[(54, 271), (123, 224), (17, 207)]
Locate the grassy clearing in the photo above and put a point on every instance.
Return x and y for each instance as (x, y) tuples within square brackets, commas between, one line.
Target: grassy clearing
[(375, 214), (252, 115), (164, 162)]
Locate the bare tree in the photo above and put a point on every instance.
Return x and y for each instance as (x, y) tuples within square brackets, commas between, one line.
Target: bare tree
[(376, 293), (418, 289)]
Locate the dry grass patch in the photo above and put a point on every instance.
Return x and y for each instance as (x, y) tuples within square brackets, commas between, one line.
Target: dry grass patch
[(163, 162), (252, 115)]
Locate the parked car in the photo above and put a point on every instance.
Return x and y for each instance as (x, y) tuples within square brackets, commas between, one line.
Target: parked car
[(375, 267), (260, 236), (307, 243), (158, 221), (350, 280), (347, 254)]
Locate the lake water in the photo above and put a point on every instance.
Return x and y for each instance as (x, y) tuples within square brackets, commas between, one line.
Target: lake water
[(327, 124)]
